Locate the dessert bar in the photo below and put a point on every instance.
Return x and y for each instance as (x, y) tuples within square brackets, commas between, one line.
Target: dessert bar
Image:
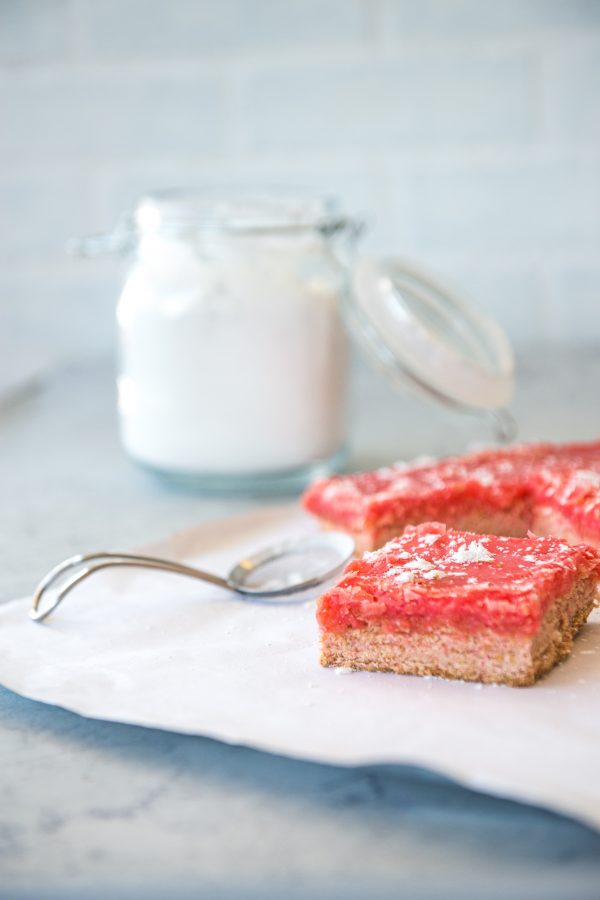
[(545, 488), (460, 605)]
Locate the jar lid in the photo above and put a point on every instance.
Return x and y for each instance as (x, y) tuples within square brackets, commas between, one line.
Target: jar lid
[(421, 336)]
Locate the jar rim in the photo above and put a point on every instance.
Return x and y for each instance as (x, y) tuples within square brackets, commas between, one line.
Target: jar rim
[(187, 212), (236, 210)]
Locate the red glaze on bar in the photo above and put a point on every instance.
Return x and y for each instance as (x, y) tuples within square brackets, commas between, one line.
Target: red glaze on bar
[(431, 577)]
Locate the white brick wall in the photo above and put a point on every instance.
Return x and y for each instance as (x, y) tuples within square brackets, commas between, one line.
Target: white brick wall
[(467, 131), (142, 29), (469, 96)]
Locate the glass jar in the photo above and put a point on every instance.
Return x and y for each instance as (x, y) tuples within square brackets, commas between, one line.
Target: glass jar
[(233, 352), (233, 356)]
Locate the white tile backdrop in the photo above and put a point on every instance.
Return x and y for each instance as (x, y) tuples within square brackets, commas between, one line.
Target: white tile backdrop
[(468, 132)]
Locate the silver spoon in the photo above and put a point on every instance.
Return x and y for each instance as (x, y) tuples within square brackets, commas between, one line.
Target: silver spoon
[(275, 572)]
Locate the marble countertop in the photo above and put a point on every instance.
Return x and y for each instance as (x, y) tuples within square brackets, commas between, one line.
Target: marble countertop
[(94, 809)]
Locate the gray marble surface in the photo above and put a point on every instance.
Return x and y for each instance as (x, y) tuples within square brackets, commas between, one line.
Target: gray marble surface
[(93, 809)]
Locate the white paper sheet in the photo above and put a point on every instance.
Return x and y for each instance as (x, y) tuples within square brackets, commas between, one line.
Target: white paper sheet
[(162, 651)]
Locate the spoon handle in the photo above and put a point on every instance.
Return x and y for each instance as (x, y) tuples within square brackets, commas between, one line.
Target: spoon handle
[(88, 564)]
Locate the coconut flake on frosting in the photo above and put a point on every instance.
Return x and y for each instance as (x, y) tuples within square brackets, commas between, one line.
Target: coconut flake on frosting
[(419, 564), (475, 552)]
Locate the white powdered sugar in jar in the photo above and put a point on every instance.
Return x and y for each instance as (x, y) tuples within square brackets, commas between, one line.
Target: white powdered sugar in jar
[(233, 354)]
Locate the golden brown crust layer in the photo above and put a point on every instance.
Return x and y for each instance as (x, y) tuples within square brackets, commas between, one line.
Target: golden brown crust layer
[(482, 656), (510, 523), (550, 522)]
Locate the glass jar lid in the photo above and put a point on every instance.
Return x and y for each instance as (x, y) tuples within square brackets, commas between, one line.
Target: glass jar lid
[(421, 336)]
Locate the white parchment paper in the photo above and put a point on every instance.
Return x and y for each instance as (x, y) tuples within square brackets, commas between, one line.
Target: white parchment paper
[(162, 651)]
